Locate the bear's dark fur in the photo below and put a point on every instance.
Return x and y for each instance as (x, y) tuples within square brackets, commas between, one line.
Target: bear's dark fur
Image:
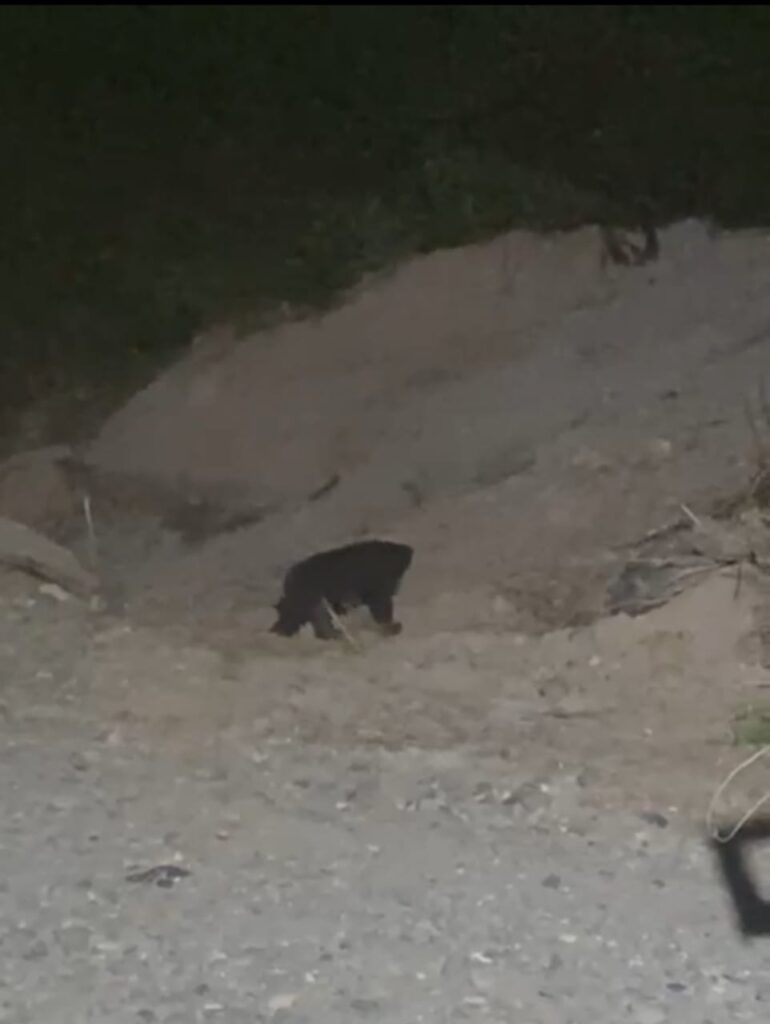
[(366, 573)]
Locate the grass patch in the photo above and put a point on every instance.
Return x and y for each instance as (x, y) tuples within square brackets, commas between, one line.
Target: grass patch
[(751, 727)]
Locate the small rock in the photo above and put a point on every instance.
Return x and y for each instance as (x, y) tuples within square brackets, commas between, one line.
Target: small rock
[(551, 882), (281, 1001), (37, 951), (364, 1006), (74, 938), (654, 818), (554, 964), (483, 792), (649, 1015), (481, 958), (213, 1012), (20, 939), (163, 875), (527, 797), (660, 448)]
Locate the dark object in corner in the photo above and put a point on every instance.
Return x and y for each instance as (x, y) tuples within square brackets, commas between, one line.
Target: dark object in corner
[(751, 909), (366, 573)]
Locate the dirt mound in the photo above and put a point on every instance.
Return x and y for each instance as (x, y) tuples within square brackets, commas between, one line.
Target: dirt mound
[(282, 412), (513, 410)]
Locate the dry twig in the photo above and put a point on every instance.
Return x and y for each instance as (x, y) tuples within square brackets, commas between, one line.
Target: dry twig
[(745, 818), (340, 625), (92, 549)]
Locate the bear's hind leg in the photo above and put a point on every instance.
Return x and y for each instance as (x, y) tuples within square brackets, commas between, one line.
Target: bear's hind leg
[(381, 609)]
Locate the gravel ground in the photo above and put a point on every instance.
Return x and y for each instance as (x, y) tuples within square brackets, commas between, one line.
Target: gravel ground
[(330, 886), (333, 879)]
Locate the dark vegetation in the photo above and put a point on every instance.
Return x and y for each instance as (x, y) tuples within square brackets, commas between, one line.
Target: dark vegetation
[(163, 168)]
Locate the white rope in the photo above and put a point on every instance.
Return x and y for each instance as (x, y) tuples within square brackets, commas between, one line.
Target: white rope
[(712, 830)]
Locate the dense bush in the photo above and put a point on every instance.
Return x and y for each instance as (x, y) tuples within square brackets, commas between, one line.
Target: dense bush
[(164, 167)]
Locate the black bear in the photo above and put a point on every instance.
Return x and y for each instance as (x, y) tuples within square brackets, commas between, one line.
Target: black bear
[(368, 573)]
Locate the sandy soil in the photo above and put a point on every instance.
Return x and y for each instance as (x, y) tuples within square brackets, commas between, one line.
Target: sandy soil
[(496, 815)]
